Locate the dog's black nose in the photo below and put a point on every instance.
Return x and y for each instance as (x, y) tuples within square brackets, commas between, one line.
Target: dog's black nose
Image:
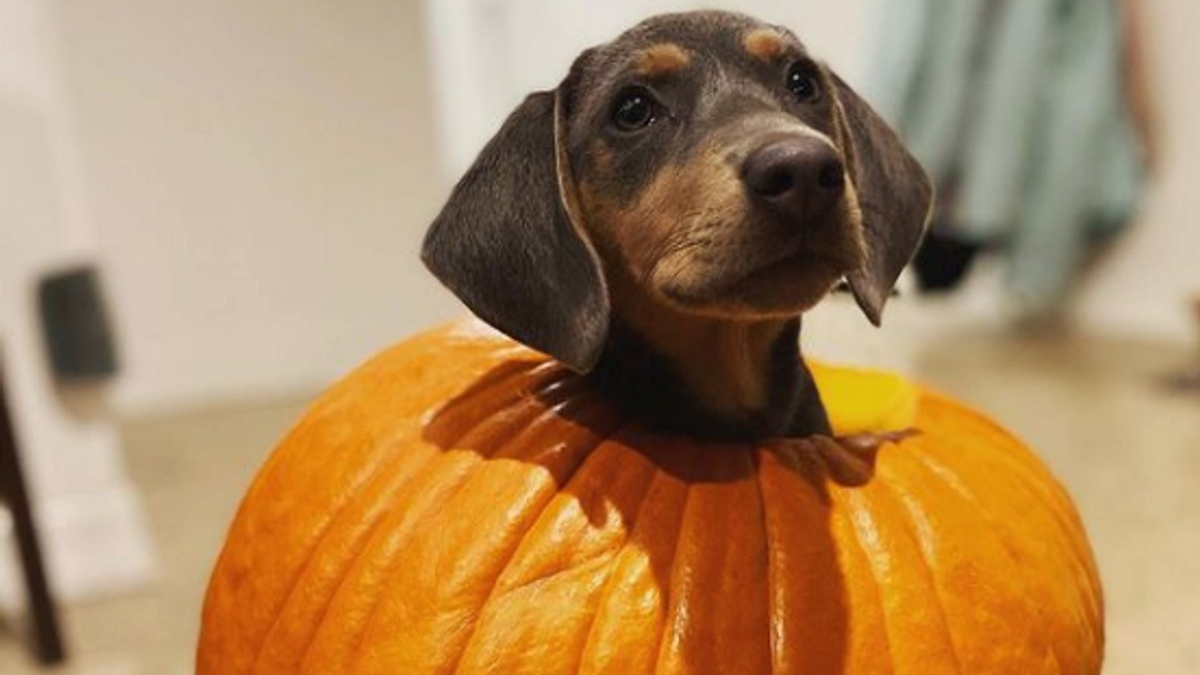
[(799, 177)]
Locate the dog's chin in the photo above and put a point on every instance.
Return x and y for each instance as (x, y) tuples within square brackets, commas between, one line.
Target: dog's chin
[(780, 290)]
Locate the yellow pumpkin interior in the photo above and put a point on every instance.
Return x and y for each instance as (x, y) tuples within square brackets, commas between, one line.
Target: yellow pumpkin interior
[(866, 401)]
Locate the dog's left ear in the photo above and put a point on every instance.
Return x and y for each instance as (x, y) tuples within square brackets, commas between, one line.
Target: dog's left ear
[(894, 195), (509, 242)]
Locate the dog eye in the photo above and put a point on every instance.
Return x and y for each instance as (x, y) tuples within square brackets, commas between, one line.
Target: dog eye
[(635, 110), (802, 83)]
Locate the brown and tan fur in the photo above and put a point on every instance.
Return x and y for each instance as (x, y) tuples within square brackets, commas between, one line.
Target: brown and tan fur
[(661, 60), (765, 44)]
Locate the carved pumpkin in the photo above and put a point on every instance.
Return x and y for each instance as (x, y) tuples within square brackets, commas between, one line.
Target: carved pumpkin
[(462, 505)]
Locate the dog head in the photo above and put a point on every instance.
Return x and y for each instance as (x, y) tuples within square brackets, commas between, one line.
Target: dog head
[(704, 161)]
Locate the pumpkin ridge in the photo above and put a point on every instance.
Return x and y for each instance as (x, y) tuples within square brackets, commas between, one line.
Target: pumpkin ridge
[(1083, 602), (495, 593), (567, 488), (512, 411), (854, 500), (808, 605), (569, 404), (606, 592), (1073, 550), (334, 517), (771, 544), (325, 406), (1042, 486), (713, 578), (1048, 489), (378, 487), (380, 476), (669, 592), (411, 518), (607, 465), (539, 579), (385, 573), (547, 415), (920, 540), (512, 415), (384, 499), (958, 485), (1054, 661), (493, 393), (361, 542), (323, 613), (673, 464), (1013, 454)]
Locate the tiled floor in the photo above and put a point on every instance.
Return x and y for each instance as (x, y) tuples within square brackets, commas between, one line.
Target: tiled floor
[(1127, 448)]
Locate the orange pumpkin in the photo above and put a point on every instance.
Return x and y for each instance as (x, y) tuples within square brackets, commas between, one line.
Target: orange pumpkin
[(462, 505)]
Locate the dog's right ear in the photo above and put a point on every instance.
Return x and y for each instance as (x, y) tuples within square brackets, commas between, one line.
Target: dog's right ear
[(511, 246), (894, 196)]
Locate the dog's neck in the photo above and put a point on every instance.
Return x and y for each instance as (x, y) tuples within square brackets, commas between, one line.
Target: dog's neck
[(710, 376)]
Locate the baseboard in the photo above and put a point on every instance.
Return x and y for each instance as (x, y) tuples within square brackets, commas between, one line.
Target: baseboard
[(95, 544)]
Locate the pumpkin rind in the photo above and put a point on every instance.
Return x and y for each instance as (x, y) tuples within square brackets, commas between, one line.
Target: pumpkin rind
[(461, 505)]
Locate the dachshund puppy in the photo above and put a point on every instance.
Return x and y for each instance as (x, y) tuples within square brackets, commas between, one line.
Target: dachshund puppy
[(661, 220)]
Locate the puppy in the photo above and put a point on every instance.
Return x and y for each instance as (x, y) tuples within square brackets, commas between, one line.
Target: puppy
[(661, 220)]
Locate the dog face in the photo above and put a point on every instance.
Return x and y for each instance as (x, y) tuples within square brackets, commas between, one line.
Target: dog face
[(703, 161), (709, 166)]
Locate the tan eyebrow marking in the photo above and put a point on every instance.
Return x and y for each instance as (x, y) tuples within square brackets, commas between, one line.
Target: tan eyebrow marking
[(665, 58), (764, 44)]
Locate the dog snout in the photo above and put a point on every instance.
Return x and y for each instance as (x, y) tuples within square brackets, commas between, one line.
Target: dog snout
[(798, 177)]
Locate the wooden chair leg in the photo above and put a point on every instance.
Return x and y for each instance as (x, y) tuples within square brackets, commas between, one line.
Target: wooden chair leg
[(47, 638)]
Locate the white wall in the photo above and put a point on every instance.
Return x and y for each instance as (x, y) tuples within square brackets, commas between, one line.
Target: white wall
[(254, 179), (90, 519), (261, 173), (489, 54)]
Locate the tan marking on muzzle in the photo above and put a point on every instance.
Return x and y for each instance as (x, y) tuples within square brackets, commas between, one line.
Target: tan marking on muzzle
[(691, 225)]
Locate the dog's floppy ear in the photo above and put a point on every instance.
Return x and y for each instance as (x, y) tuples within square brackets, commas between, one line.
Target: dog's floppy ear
[(894, 195), (510, 245)]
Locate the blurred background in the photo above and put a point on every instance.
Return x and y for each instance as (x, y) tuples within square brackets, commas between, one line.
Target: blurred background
[(211, 210)]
